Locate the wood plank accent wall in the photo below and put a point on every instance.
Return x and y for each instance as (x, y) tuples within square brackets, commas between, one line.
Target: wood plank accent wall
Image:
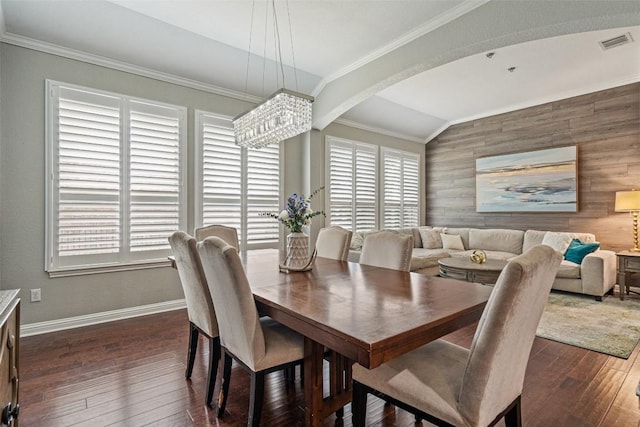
[(604, 125)]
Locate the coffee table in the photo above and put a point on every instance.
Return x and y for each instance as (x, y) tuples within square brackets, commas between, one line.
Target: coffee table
[(462, 268)]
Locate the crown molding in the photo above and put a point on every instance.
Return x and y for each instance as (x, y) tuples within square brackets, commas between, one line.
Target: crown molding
[(97, 318), (437, 132), (545, 100), (381, 131), (78, 55), (433, 24)]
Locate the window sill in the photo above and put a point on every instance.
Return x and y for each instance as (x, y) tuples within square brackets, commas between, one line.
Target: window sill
[(81, 271)]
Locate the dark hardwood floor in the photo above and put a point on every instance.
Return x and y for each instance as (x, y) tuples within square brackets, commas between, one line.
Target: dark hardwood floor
[(131, 373)]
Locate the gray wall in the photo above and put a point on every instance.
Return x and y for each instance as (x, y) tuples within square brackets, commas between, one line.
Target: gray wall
[(22, 181)]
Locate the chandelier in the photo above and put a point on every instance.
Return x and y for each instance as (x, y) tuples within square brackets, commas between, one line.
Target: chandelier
[(283, 115)]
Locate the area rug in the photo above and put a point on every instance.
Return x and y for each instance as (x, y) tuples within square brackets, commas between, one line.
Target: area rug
[(611, 326)]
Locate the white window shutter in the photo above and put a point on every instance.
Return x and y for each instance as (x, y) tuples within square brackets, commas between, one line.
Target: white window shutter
[(115, 169), (263, 195), (154, 165), (221, 174), (237, 184), (366, 198), (87, 162), (411, 191), (352, 184), (401, 189), (340, 188), (392, 190)]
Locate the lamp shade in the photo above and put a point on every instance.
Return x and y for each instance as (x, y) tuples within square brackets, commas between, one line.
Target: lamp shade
[(627, 201)]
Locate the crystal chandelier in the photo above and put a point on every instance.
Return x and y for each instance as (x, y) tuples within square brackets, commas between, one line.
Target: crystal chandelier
[(283, 115)]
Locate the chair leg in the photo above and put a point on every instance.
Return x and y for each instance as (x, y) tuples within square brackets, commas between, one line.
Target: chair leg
[(513, 418), (256, 398), (359, 405), (214, 359), (191, 352), (224, 387)]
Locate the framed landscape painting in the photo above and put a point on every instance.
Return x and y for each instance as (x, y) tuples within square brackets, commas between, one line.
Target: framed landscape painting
[(535, 181)]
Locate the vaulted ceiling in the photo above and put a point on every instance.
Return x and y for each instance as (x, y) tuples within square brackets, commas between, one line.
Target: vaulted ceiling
[(407, 68)]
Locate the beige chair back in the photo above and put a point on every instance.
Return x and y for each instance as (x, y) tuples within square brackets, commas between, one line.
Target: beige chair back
[(196, 292), (333, 242), (240, 329), (228, 234), (388, 249), (499, 353)]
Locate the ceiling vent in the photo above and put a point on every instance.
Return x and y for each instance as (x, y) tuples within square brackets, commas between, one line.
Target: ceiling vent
[(616, 41)]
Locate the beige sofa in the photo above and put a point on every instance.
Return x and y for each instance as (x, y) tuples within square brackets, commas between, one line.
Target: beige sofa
[(595, 276)]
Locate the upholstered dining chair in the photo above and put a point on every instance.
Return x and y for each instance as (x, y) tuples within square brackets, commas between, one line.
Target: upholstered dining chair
[(202, 317), (333, 242), (450, 385), (228, 234), (260, 345), (388, 249)]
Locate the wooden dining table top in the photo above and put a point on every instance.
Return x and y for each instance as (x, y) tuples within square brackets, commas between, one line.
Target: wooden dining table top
[(368, 314)]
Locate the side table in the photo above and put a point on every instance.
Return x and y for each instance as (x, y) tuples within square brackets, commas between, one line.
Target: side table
[(628, 262)]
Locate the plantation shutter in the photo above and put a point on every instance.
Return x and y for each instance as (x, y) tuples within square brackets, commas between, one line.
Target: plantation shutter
[(115, 187), (86, 200), (263, 195), (340, 185), (237, 183), (221, 174), (401, 188), (154, 175), (411, 191), (352, 184)]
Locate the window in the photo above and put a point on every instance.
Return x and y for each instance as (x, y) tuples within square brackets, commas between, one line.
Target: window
[(115, 180), (352, 184), (352, 196), (234, 184), (400, 189)]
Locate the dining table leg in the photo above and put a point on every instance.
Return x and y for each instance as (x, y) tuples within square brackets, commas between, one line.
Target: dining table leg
[(313, 382)]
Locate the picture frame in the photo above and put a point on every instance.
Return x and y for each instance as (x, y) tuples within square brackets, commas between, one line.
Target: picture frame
[(533, 181)]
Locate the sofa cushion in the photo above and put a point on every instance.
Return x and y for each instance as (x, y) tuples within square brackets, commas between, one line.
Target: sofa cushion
[(411, 232), (502, 240), (417, 240), (430, 237), (577, 250), (534, 237), (462, 232), (502, 256), (423, 258), (558, 241), (568, 270), (452, 241)]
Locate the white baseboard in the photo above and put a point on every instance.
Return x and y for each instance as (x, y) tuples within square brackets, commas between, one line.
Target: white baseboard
[(95, 318)]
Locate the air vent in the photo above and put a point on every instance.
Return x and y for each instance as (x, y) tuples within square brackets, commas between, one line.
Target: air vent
[(616, 41)]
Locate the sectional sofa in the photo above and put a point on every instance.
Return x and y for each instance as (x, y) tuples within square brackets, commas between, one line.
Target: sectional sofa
[(594, 275)]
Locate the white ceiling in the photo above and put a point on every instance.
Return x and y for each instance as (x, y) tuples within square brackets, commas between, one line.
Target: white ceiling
[(363, 60)]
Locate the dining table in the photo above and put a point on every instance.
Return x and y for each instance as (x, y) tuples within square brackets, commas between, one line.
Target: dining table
[(357, 313)]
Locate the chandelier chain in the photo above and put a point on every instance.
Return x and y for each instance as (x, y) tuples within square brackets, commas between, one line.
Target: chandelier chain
[(246, 77), (293, 55), (277, 40)]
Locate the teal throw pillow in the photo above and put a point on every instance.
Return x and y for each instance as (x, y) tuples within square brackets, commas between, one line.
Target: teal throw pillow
[(578, 250)]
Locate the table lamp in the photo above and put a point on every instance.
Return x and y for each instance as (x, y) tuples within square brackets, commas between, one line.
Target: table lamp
[(629, 201)]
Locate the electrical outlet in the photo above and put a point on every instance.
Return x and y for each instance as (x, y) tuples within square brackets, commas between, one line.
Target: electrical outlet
[(36, 295)]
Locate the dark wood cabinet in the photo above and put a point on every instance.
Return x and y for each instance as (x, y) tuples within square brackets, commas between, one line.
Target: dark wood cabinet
[(9, 357)]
